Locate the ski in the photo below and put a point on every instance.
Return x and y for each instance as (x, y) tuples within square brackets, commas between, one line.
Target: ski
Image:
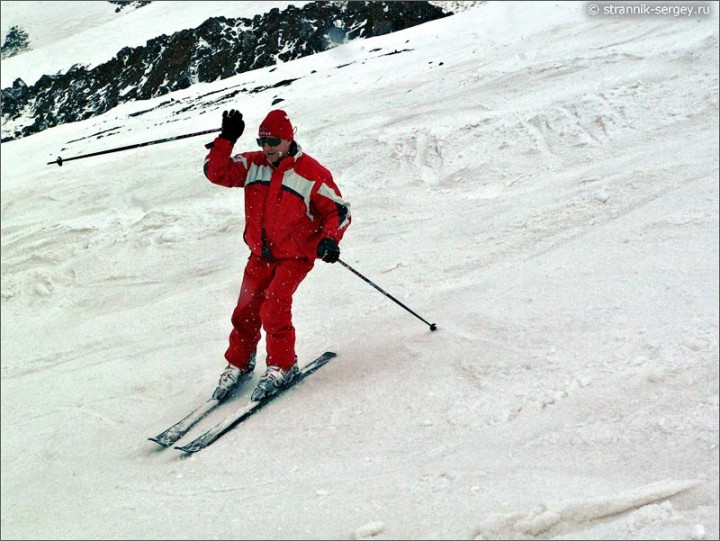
[(182, 427), (201, 442)]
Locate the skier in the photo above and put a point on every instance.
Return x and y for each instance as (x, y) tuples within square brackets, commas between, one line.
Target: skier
[(294, 213)]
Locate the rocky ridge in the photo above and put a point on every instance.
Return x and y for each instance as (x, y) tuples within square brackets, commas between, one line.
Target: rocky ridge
[(217, 49)]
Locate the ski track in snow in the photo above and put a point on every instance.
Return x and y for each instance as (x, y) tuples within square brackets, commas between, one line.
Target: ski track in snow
[(572, 515)]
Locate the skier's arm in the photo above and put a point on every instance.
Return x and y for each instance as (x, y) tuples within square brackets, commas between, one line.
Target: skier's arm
[(221, 169), (334, 211)]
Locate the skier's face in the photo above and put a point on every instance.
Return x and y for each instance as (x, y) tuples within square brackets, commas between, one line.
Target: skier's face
[(275, 153)]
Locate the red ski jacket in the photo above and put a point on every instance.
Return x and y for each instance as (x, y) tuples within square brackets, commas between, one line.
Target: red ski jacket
[(289, 209)]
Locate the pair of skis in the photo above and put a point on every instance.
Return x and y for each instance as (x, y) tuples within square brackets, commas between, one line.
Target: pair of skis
[(170, 436)]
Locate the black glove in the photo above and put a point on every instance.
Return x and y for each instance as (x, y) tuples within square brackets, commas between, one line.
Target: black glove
[(328, 250), (233, 125)]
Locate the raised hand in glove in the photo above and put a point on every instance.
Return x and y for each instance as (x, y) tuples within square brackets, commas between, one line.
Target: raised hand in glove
[(328, 250), (233, 125)]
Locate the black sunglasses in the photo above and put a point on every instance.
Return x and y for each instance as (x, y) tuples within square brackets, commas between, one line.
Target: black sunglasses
[(271, 141)]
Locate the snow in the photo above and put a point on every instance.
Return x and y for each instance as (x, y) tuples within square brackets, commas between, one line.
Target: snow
[(540, 183), (67, 32)]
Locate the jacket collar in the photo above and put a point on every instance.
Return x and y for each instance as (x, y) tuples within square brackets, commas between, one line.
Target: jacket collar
[(288, 161)]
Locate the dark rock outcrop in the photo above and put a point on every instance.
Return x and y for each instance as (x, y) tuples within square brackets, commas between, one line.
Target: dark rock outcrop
[(217, 49)]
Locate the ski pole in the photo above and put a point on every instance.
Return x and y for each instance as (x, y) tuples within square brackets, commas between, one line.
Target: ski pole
[(60, 160), (433, 327)]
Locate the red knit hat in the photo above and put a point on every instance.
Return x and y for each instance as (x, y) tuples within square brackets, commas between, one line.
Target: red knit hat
[(276, 124)]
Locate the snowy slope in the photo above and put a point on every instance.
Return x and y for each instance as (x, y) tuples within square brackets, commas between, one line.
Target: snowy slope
[(63, 33), (540, 183)]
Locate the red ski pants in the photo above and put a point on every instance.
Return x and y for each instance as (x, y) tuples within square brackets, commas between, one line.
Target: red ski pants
[(266, 300)]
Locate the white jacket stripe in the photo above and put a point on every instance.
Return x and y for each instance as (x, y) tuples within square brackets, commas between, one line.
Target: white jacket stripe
[(258, 173), (326, 191), (301, 187)]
